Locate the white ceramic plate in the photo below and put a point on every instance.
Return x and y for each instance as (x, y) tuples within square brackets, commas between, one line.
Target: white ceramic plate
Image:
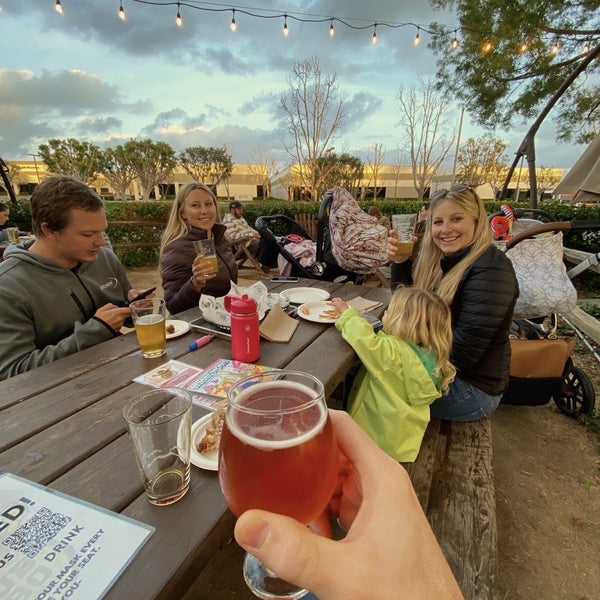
[(300, 295), (314, 311), (181, 327), (205, 460)]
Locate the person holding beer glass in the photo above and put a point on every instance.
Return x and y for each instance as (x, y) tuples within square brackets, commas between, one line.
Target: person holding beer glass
[(389, 551), (185, 273), (277, 453)]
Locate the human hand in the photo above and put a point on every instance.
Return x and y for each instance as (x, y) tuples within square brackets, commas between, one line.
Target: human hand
[(389, 549), (202, 271), (113, 316), (391, 248), (338, 304)]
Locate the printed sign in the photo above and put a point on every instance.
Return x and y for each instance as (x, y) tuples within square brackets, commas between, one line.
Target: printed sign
[(56, 547)]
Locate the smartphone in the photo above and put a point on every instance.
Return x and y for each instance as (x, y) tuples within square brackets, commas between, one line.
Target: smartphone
[(285, 279), (140, 296)]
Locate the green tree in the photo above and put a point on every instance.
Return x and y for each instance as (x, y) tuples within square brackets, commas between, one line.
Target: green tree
[(13, 176), (81, 160), (152, 162), (423, 121), (312, 109), (480, 159), (209, 165), (118, 171), (343, 170), (512, 57)]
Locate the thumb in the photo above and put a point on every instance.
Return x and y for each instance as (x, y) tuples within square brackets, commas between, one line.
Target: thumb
[(290, 549)]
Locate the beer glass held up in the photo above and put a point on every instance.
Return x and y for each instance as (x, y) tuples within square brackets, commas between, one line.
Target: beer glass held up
[(277, 453)]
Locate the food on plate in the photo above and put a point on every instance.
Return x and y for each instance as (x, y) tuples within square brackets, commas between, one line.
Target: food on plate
[(331, 313), (305, 311), (212, 434), (170, 328)]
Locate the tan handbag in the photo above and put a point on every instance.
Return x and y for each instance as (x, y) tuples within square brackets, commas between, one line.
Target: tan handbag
[(539, 359)]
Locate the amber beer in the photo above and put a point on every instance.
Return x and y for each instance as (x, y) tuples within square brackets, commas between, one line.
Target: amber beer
[(151, 334), (278, 451), (214, 265)]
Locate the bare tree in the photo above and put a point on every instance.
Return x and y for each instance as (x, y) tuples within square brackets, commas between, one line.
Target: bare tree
[(422, 118), (312, 109), (263, 168), (374, 162)]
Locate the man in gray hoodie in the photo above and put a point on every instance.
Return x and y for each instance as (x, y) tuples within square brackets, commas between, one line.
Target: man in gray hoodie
[(64, 291)]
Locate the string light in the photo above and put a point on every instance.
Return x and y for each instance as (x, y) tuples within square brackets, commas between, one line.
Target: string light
[(331, 29), (178, 19), (454, 42), (554, 50), (233, 25), (417, 38), (285, 27), (122, 14), (523, 48), (374, 38), (58, 7), (586, 48), (487, 46)]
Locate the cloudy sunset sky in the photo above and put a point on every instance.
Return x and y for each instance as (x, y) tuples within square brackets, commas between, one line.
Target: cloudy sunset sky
[(88, 75)]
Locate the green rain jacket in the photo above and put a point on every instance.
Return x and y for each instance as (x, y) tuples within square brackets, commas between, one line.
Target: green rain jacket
[(393, 389)]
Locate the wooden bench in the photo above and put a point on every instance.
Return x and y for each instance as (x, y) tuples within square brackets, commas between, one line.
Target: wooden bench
[(454, 481)]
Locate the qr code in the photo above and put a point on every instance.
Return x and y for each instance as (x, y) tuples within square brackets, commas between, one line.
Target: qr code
[(36, 532)]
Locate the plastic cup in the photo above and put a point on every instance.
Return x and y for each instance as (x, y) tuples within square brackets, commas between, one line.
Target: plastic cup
[(206, 248), (404, 225), (159, 422), (148, 317)]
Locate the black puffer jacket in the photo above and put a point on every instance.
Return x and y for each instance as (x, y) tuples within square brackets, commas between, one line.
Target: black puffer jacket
[(482, 311), (176, 269)]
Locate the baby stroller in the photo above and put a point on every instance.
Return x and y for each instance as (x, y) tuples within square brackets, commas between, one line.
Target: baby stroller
[(541, 365), (279, 233)]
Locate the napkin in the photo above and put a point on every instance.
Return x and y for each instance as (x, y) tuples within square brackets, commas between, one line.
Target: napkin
[(278, 326), (363, 304)]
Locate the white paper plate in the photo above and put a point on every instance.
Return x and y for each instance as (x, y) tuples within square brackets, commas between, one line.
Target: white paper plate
[(205, 460), (181, 327), (300, 295), (313, 311)]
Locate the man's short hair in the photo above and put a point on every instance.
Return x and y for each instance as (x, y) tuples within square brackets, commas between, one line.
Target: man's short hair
[(235, 204), (52, 200)]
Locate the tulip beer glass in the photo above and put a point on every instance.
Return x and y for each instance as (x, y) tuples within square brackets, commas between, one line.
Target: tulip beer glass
[(277, 453)]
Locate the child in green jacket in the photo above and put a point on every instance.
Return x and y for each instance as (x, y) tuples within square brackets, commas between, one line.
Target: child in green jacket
[(405, 367)]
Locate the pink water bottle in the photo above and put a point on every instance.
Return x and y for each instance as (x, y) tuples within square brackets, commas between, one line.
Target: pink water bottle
[(245, 344)]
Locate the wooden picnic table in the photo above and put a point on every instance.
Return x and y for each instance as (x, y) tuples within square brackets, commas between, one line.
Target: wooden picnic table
[(62, 427)]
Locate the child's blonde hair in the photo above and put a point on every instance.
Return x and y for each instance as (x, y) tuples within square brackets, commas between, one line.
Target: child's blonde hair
[(424, 319)]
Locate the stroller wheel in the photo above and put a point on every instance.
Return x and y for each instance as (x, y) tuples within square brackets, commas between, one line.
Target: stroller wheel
[(575, 394)]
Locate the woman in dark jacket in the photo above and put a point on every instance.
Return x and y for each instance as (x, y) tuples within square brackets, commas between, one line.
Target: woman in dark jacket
[(185, 275), (458, 260)]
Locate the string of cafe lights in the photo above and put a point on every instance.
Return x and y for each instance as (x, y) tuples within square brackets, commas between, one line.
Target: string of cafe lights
[(356, 24)]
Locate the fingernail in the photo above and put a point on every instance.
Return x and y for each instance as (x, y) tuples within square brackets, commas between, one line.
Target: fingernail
[(255, 533)]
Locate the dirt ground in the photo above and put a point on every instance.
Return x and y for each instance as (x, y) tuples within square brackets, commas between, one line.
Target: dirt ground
[(547, 474)]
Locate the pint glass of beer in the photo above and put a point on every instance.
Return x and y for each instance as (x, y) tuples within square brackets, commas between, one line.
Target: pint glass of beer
[(149, 321), (277, 453)]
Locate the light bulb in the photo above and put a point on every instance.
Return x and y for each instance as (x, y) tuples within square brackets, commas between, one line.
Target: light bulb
[(233, 24), (122, 15), (454, 43), (331, 30), (374, 38), (178, 19), (58, 7), (487, 46), (555, 48), (285, 27), (417, 38), (523, 47), (586, 48)]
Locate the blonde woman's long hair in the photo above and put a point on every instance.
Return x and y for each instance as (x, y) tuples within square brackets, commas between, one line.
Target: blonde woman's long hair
[(176, 227), (424, 319), (427, 273)]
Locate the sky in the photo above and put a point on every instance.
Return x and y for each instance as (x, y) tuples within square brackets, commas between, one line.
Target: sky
[(86, 74)]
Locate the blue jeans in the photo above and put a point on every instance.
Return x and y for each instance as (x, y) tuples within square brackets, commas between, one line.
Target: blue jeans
[(464, 402)]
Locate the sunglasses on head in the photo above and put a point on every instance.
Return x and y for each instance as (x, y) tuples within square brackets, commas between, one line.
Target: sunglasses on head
[(461, 187)]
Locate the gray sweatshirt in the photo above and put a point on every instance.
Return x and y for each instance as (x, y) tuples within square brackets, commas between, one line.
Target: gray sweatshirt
[(46, 310)]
